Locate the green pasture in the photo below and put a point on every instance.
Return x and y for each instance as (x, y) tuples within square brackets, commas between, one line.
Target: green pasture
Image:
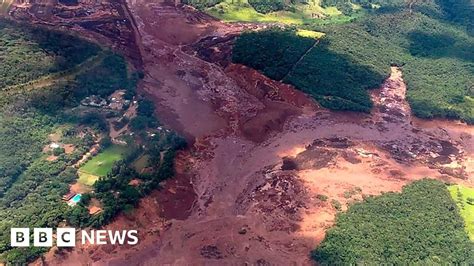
[(460, 194), (101, 164)]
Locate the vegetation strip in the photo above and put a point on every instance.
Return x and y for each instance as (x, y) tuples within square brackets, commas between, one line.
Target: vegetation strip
[(464, 198)]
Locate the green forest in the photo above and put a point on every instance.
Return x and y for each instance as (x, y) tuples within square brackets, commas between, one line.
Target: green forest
[(420, 225), (33, 177), (431, 42), (28, 53), (274, 63)]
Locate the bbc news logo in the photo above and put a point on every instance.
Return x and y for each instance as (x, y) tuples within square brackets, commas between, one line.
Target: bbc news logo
[(66, 237)]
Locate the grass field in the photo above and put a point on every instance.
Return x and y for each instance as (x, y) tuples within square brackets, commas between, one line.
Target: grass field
[(232, 11), (309, 33), (101, 164), (466, 209)]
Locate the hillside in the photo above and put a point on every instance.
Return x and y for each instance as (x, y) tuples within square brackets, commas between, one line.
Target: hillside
[(434, 50), (301, 128), (419, 225), (48, 129)]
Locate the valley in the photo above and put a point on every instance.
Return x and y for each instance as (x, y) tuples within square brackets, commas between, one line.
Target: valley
[(267, 168)]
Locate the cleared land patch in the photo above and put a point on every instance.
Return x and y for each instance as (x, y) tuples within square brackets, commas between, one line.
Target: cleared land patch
[(233, 11), (141, 163), (101, 164), (464, 198), (309, 33)]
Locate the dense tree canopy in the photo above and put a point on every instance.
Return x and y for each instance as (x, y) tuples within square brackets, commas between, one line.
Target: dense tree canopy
[(30, 52), (421, 225), (253, 49)]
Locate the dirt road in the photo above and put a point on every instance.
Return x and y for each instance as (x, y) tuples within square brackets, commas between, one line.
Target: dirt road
[(249, 190)]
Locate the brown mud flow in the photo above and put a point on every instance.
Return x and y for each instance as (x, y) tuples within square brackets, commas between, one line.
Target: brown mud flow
[(249, 190)]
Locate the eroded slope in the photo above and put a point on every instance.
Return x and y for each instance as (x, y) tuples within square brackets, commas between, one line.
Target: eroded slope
[(263, 153)]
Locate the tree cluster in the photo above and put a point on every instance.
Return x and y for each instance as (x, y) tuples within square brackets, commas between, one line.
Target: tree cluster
[(421, 225)]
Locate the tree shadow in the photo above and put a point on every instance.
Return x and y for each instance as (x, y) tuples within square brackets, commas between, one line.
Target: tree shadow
[(459, 12), (337, 81), (439, 45)]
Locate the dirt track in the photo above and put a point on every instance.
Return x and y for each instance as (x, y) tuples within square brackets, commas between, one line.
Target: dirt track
[(231, 202)]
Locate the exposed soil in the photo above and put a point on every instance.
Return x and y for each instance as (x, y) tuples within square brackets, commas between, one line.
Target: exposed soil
[(247, 191), (69, 148)]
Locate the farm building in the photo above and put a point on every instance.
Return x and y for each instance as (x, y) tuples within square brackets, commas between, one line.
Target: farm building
[(68, 196)]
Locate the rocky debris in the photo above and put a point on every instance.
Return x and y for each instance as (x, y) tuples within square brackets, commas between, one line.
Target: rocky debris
[(316, 158), (335, 142), (211, 252), (351, 157), (280, 198), (432, 151), (244, 229), (262, 262), (459, 172), (289, 164), (390, 104), (214, 49), (322, 153)]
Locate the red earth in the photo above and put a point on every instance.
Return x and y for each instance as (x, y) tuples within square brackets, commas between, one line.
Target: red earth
[(247, 189)]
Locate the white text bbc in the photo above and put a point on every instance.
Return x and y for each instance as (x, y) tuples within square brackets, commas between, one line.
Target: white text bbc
[(66, 237)]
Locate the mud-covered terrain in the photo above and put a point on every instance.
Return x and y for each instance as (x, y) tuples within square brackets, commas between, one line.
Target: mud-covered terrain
[(106, 22), (252, 187)]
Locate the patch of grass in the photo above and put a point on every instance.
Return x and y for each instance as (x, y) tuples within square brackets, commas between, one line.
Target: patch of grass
[(322, 197), (141, 163), (234, 11), (309, 33), (87, 179), (244, 12), (421, 225), (336, 205), (101, 164), (352, 192), (460, 195)]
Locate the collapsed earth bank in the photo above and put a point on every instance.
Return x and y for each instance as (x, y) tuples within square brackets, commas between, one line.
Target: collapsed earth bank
[(261, 151)]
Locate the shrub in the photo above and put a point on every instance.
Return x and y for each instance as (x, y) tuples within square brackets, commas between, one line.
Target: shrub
[(267, 6), (336, 205), (322, 197), (58, 151)]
